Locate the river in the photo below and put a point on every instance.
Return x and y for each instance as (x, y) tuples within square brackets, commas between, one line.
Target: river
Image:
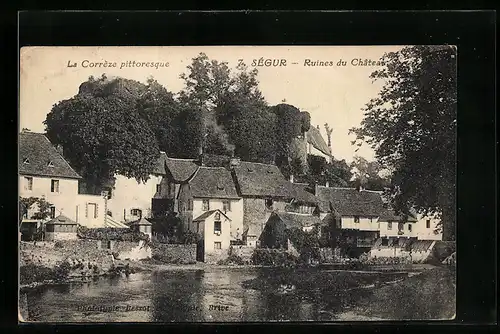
[(206, 295)]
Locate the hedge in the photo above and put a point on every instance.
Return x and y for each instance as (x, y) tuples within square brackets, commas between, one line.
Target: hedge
[(108, 233)]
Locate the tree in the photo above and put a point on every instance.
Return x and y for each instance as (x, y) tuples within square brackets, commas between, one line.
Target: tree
[(103, 134), (43, 207), (411, 125), (159, 108), (369, 174)]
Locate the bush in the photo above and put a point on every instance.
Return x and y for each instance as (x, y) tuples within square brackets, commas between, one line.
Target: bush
[(232, 259), (108, 233), (32, 273), (273, 257)]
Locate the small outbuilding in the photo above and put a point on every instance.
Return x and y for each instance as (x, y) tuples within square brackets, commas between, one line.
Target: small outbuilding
[(61, 228), (142, 225)]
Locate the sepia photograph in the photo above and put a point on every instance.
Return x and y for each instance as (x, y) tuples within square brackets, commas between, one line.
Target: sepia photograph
[(237, 183)]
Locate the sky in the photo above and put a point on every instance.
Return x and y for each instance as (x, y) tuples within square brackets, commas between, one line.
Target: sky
[(331, 94)]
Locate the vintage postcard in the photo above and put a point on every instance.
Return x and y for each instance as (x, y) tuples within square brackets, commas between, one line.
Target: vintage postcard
[(237, 183)]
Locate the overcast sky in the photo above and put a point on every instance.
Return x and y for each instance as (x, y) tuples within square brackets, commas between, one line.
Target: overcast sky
[(331, 94)]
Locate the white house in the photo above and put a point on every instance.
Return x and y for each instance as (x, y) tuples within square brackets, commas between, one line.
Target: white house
[(428, 227), (44, 173), (213, 228), (209, 189)]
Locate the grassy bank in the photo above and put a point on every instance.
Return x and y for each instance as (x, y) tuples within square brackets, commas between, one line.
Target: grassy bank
[(429, 295)]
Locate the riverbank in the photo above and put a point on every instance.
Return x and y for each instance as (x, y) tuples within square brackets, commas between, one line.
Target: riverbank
[(430, 295)]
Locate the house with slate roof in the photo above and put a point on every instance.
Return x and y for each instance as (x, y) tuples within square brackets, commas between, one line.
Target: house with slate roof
[(264, 190), (44, 173), (211, 188)]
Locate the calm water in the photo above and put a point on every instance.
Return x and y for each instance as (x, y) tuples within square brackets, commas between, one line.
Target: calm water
[(213, 294)]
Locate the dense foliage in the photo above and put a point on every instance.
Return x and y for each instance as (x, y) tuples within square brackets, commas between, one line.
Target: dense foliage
[(411, 125), (43, 207), (118, 126), (108, 233)]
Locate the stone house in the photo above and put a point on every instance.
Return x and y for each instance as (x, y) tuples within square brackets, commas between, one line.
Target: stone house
[(277, 234), (265, 190)]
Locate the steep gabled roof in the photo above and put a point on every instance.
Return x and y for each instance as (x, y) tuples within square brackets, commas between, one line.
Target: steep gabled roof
[(301, 194), (350, 201), (390, 215), (213, 182), (315, 138), (292, 220), (180, 169), (261, 180), (207, 214), (37, 156)]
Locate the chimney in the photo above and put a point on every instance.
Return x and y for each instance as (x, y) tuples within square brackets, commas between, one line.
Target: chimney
[(291, 178), (327, 184), (233, 162), (317, 127), (361, 188), (60, 149), (200, 155), (316, 189)]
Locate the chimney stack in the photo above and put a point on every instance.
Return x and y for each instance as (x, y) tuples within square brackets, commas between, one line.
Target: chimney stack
[(233, 162), (60, 149), (291, 178)]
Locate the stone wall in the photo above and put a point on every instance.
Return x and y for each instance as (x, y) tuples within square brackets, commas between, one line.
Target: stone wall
[(50, 254), (255, 213), (171, 253), (216, 256)]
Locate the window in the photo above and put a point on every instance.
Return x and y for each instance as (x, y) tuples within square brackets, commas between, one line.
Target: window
[(206, 205), (269, 203), (217, 216), (190, 204), (26, 161), (91, 210), (50, 164), (385, 242), (356, 219), (409, 227), (52, 212), (217, 245), (217, 227), (389, 225), (428, 223), (158, 188), (29, 183), (226, 206), (136, 212), (54, 186)]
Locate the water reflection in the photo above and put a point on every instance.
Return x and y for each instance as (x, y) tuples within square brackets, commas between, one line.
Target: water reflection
[(213, 294)]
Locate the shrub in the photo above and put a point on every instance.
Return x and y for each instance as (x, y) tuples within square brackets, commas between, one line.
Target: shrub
[(61, 271), (32, 273), (232, 259), (273, 257), (109, 233), (58, 244)]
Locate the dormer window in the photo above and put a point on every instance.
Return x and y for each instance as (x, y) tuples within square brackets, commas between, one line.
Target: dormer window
[(220, 187), (250, 170), (26, 161), (50, 164)]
